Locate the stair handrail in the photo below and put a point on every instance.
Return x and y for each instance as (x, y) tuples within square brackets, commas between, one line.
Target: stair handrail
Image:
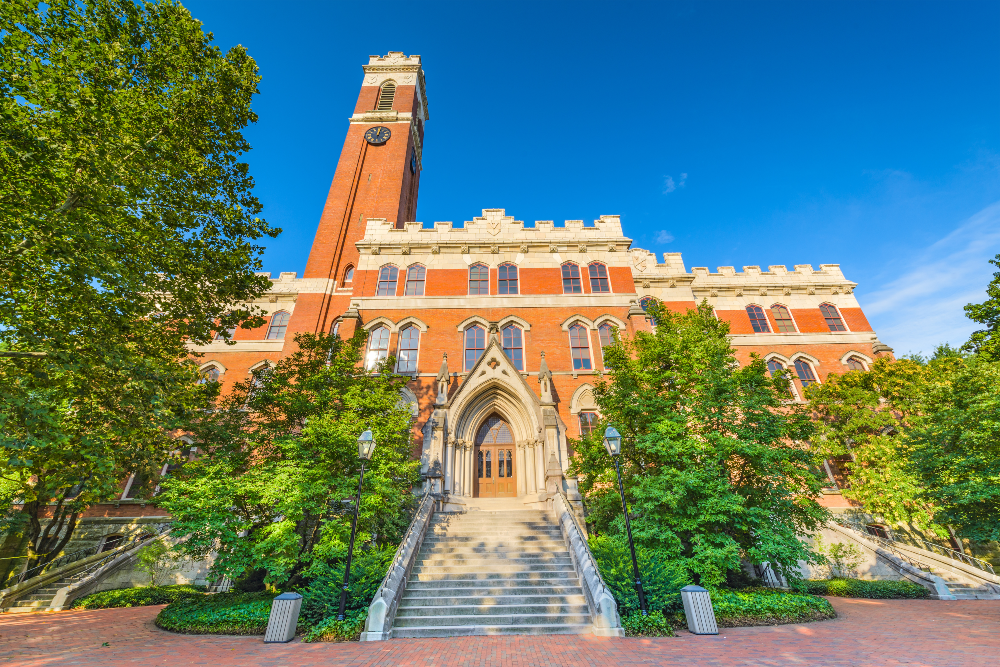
[(945, 551), (382, 610), (889, 545), (602, 603)]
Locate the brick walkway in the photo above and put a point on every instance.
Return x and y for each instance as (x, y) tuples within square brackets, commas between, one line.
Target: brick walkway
[(868, 632)]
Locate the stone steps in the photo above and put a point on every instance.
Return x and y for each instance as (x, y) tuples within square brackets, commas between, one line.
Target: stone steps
[(490, 572), (40, 598)]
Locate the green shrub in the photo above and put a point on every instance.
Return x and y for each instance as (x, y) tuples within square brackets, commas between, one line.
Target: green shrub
[(662, 579), (221, 614), (654, 625), (321, 599), (138, 597), (332, 630), (767, 606), (862, 588)]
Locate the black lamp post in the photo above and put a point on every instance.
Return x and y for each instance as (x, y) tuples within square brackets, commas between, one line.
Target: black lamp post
[(613, 443), (366, 445)]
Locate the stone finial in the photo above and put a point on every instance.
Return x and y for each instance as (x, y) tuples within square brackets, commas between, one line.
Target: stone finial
[(545, 379), (442, 381)]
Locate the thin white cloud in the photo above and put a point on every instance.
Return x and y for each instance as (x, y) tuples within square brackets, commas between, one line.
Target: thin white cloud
[(663, 236), (922, 307), (669, 185)]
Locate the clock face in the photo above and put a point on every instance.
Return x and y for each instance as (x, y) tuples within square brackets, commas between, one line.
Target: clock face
[(377, 135)]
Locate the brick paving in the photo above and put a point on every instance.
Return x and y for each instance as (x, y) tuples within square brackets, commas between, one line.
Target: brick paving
[(867, 632)]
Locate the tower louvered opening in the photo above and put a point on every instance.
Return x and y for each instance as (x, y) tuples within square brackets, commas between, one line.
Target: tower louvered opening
[(385, 96)]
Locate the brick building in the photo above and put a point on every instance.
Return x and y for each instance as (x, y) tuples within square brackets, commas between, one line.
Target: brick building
[(500, 325)]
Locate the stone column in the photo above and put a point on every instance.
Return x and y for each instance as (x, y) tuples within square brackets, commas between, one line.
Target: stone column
[(520, 468), (459, 476), (539, 466), (470, 450), (449, 464)]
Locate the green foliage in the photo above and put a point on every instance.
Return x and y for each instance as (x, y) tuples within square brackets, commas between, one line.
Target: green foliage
[(121, 196), (282, 454), (654, 625), (662, 579), (155, 560), (220, 614), (862, 588), (321, 599), (924, 440), (767, 606), (713, 460), (842, 560), (985, 343), (139, 597), (332, 630)]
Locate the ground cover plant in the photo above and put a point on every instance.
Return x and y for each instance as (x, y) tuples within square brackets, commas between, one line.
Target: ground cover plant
[(767, 606), (138, 597), (863, 588), (219, 614)]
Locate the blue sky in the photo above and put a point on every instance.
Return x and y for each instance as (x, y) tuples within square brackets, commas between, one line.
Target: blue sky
[(748, 133)]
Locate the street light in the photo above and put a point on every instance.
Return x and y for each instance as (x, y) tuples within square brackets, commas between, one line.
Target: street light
[(613, 443), (366, 446)]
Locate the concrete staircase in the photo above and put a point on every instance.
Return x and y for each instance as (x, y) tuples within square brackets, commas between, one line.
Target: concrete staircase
[(40, 598), (496, 569), (962, 589)]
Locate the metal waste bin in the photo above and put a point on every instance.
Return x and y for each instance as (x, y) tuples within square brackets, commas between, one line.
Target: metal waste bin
[(284, 617), (699, 612)]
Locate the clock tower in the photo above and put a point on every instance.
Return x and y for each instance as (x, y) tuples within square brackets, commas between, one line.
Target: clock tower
[(378, 176)]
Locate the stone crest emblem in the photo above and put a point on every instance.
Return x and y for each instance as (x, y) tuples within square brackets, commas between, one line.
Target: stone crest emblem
[(493, 226), (640, 261)]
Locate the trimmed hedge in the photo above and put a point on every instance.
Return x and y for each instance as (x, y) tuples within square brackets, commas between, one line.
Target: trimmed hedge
[(654, 625), (662, 579), (863, 588), (138, 597), (220, 614), (767, 606)]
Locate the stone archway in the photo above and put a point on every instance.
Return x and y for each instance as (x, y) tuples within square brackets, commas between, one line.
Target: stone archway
[(494, 471)]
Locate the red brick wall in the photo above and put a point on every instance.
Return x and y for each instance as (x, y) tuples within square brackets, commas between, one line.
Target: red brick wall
[(739, 321), (622, 281), (540, 281), (810, 320), (855, 319)]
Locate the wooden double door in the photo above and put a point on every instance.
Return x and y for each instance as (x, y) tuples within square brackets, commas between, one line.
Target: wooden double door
[(494, 471)]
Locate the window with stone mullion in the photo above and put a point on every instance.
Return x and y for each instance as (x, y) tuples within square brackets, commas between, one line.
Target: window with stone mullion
[(513, 346)]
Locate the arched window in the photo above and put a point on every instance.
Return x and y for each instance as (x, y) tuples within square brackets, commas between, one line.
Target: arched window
[(349, 275), (385, 96), (415, 280), (855, 364), (571, 279), (479, 279), (387, 277), (513, 346), (335, 329), (588, 422), (758, 320), (782, 318), (606, 333), (409, 342), (378, 347), (832, 317), (774, 366), (805, 372), (279, 323), (209, 374), (508, 279), (599, 278), (475, 345), (645, 303), (579, 343)]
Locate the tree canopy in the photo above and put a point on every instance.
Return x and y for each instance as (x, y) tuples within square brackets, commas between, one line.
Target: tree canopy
[(281, 455), (715, 464), (986, 342), (128, 230)]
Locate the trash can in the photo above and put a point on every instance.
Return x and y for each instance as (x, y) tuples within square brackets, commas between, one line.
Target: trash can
[(699, 612), (284, 617)]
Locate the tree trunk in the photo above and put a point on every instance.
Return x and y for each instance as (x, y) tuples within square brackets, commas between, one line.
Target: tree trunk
[(15, 544)]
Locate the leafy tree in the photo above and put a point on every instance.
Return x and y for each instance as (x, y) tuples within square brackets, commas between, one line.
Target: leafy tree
[(986, 342), (121, 196), (282, 455), (864, 415), (713, 458), (954, 448)]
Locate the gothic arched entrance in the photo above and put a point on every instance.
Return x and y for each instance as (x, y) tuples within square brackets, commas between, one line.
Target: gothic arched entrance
[(494, 470)]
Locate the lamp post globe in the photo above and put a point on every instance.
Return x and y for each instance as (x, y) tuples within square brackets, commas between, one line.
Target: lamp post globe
[(366, 447), (612, 441)]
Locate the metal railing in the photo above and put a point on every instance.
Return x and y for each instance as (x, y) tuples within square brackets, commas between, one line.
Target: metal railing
[(66, 559), (862, 528)]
